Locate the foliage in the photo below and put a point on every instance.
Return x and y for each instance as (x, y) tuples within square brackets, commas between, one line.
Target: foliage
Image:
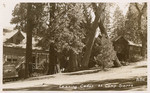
[(65, 30), (60, 24), (118, 23), (69, 26), (137, 20), (70, 36), (131, 24), (135, 58), (20, 16), (105, 52)]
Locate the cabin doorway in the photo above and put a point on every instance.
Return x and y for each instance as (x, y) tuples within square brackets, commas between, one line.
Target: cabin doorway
[(121, 56)]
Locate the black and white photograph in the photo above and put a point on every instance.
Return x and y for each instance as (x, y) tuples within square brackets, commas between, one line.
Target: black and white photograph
[(74, 46)]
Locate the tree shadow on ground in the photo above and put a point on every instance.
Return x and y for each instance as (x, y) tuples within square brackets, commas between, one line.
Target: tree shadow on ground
[(29, 79), (84, 72), (42, 77), (103, 85), (145, 66)]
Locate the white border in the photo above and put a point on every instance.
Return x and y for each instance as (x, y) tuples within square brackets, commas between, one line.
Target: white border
[(122, 1)]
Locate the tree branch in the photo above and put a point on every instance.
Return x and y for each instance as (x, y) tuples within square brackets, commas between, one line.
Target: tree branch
[(94, 8), (144, 7), (136, 5)]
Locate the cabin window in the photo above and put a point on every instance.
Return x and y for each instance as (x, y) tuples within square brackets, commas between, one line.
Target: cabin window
[(9, 59), (14, 60)]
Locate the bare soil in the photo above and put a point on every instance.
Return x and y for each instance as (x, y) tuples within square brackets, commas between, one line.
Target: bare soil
[(126, 78)]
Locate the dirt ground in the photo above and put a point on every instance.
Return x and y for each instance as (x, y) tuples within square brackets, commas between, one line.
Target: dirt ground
[(126, 78)]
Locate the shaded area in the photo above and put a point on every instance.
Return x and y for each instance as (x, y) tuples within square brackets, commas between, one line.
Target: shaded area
[(145, 66), (104, 85), (84, 72), (29, 79), (37, 78)]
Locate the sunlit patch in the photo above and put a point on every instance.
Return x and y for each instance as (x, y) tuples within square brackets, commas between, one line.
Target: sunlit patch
[(123, 7)]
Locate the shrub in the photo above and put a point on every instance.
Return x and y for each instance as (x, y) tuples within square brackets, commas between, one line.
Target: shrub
[(106, 53), (135, 58)]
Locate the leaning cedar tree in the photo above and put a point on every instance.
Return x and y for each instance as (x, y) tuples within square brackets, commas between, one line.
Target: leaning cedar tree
[(104, 34), (107, 44), (97, 10)]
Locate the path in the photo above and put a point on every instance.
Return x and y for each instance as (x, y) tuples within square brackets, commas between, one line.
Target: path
[(131, 77)]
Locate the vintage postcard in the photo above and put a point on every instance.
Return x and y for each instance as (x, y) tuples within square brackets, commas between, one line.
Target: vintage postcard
[(92, 46)]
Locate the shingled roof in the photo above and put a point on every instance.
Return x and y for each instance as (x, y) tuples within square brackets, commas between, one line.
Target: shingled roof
[(7, 34), (129, 42)]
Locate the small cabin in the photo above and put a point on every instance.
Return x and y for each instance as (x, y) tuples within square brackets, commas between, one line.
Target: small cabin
[(126, 49), (14, 49)]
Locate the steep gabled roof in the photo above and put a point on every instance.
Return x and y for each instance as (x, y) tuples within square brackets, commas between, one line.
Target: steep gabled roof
[(134, 44), (7, 34), (129, 42)]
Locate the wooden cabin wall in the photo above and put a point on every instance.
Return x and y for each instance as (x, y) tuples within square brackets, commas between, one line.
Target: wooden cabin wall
[(134, 51), (121, 47), (14, 56)]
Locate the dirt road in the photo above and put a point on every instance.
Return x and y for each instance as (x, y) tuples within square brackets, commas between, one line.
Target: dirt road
[(131, 77)]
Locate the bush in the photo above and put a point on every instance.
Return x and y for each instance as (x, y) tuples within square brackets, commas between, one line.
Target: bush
[(124, 63), (135, 58), (106, 53)]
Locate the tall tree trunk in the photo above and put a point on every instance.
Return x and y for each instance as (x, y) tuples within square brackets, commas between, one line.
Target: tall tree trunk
[(52, 59), (98, 11), (28, 64), (52, 52), (144, 45), (73, 63), (89, 44), (142, 34)]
